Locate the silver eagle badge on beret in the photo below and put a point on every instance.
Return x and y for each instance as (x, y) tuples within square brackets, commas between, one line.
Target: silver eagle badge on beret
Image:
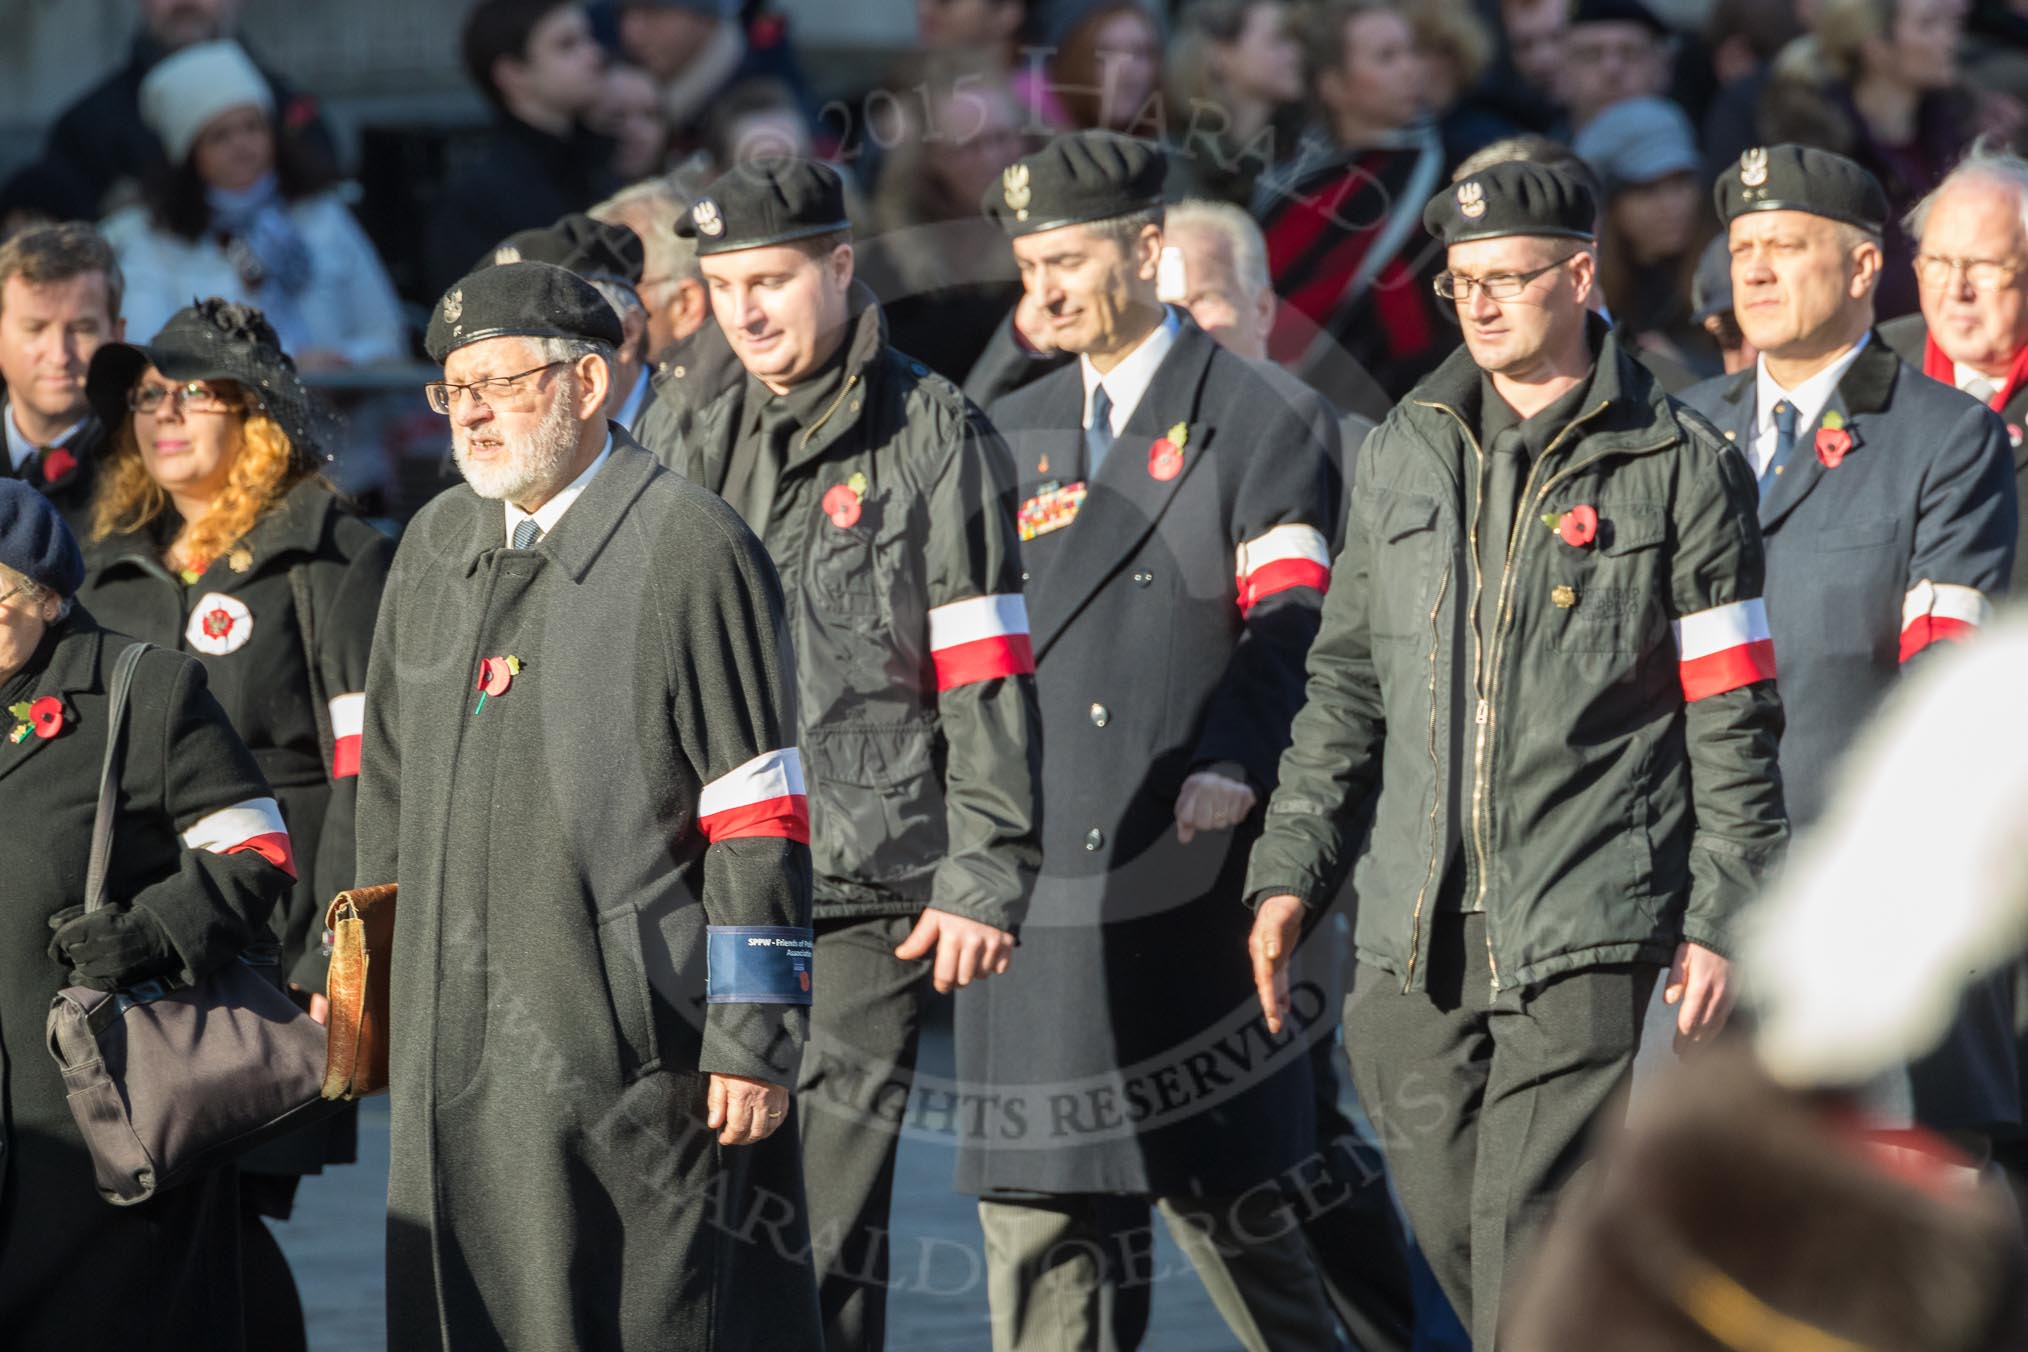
[(1014, 188), (1753, 167), (1471, 200), (454, 305), (505, 254), (708, 218)]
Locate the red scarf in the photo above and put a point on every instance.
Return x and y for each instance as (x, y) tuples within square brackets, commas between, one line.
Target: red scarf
[(1937, 366)]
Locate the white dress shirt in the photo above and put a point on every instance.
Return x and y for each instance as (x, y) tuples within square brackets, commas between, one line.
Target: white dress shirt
[(1808, 399), (1977, 384), (549, 513), (1128, 381), (20, 449)]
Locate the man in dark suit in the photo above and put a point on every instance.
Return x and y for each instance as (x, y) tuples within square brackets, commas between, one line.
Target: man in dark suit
[(59, 300), (1175, 515), (1971, 267), (1888, 504)]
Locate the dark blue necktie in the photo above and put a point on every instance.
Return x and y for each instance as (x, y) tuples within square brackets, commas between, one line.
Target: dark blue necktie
[(526, 533), (1785, 438), (1098, 437)]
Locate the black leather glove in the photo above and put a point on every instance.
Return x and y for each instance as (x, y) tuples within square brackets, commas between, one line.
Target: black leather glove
[(111, 947)]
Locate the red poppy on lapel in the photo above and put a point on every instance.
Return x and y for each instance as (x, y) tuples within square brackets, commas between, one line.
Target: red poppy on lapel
[(1578, 527), (58, 465), (1165, 459), (47, 716), (841, 504), (1832, 445)]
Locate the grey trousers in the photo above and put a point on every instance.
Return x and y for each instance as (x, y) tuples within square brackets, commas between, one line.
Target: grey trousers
[(865, 1026), (1051, 1260), (1483, 1104)]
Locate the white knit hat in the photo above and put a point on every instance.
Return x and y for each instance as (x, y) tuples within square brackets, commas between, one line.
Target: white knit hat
[(185, 91)]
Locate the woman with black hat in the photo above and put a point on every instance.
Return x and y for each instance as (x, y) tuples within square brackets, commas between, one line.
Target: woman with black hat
[(213, 532), (200, 858)]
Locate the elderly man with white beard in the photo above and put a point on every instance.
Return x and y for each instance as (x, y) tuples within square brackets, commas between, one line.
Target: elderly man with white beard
[(585, 782)]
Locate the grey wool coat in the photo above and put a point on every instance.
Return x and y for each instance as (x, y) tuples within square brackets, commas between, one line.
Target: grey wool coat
[(1124, 1050), (560, 851)]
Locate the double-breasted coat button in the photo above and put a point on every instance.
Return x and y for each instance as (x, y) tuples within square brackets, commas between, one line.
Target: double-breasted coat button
[(1024, 574), (1094, 839), (1143, 579), (1100, 715)]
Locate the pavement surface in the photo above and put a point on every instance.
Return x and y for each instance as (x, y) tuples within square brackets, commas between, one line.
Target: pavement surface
[(336, 1247)]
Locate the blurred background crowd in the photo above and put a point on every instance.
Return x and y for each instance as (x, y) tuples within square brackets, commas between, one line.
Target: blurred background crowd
[(342, 164)]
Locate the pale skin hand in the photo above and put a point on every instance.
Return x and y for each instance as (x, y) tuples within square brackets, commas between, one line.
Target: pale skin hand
[(1700, 982), (1277, 922), (744, 1111), (967, 950), (1211, 802)]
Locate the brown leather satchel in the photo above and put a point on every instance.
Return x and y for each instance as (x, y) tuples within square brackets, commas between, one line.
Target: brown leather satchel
[(361, 922)]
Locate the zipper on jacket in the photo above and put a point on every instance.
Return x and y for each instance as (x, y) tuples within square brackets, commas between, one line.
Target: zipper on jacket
[(824, 417), (1531, 496), (1435, 848)]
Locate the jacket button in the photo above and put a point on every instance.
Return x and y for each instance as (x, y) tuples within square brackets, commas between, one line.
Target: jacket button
[(1143, 579), (1024, 574), (1094, 839), (1100, 715)]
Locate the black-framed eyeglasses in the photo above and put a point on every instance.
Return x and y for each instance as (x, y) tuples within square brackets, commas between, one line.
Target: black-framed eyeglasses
[(443, 395), (192, 396), (1498, 286), (1981, 274)]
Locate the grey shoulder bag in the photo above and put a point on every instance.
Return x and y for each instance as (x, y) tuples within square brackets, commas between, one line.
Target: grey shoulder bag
[(167, 1081)]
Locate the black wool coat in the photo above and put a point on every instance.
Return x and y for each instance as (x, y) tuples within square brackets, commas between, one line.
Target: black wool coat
[(310, 551), (75, 1272), (1124, 1050), (560, 851)]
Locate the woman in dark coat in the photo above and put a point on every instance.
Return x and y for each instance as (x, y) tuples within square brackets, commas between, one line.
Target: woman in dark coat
[(213, 533), (200, 858)]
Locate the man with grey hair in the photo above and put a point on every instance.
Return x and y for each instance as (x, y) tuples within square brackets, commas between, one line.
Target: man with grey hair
[(1971, 271), (586, 784), (1888, 506)]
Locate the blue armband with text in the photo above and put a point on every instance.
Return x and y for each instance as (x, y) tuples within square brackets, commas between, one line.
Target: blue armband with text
[(758, 964)]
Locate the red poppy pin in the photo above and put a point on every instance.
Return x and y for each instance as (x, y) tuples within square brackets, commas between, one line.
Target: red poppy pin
[(1577, 527), (2014, 433), (495, 675), (43, 717), (58, 465), (1833, 440), (842, 501), (1165, 457)]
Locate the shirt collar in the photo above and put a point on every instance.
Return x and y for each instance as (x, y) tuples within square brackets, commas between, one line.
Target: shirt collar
[(549, 513), (1967, 378), (631, 409), (1808, 398), (1129, 380), (20, 449)]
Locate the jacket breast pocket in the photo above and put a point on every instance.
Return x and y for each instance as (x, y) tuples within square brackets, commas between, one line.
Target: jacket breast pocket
[(1609, 593), (1405, 542), (844, 569), (1877, 533)]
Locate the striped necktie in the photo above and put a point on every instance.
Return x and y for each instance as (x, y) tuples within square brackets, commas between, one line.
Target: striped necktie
[(526, 533)]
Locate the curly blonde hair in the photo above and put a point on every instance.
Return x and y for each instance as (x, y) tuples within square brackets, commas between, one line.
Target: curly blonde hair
[(265, 467)]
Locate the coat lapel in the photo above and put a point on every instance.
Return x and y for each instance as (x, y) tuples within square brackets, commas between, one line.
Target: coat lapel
[(72, 670), (1124, 499), (1863, 391)]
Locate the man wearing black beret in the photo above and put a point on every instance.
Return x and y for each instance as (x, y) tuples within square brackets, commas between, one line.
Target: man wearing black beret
[(579, 764), (1176, 512), (1889, 505), (887, 502), (1544, 674), (611, 258)]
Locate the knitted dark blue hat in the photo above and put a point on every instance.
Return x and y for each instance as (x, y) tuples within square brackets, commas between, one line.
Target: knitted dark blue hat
[(35, 543)]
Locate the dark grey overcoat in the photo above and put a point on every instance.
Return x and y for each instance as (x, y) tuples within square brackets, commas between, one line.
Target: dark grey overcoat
[(1124, 1050), (560, 851)]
